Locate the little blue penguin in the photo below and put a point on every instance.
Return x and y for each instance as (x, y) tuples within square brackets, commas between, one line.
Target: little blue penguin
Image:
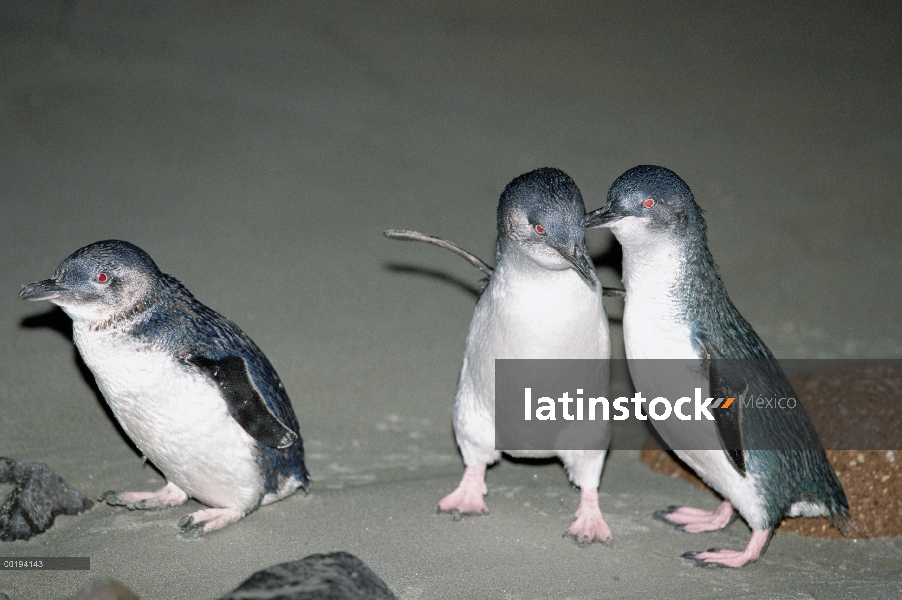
[(677, 307), (192, 391), (543, 301)]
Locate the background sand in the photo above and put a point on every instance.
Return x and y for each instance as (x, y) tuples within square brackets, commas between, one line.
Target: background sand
[(256, 150)]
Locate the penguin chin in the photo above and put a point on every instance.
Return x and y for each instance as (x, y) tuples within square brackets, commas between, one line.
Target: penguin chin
[(82, 312), (87, 312), (633, 226), (641, 233), (548, 258)]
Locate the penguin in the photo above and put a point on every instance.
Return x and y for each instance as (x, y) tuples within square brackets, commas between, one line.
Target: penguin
[(542, 300), (768, 466), (192, 390)]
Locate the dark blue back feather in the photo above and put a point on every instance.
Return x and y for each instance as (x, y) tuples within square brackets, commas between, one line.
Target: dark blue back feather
[(177, 323)]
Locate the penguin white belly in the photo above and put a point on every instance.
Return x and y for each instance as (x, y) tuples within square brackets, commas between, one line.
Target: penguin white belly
[(177, 418), (552, 315), (652, 330)]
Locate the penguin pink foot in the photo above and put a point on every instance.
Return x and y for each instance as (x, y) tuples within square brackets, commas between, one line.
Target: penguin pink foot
[(194, 393), (589, 525), (209, 519), (770, 463), (468, 497), (697, 520), (166, 496), (716, 557)]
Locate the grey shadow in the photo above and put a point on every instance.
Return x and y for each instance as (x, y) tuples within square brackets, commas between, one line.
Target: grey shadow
[(60, 322), (612, 257), (407, 269)]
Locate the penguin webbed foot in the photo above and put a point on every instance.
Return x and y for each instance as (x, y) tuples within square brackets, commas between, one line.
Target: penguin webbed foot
[(720, 558), (589, 526), (717, 557), (207, 520), (697, 520), (467, 499), (583, 539), (166, 497)]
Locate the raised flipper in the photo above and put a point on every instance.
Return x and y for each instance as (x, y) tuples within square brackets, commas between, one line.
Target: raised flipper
[(416, 236), (723, 382), (244, 402)]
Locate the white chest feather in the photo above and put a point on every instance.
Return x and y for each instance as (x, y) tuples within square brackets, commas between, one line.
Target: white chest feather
[(529, 312), (176, 418), (652, 324), (654, 328), (526, 314)]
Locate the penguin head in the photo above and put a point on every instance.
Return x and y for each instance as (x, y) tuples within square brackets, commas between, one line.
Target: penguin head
[(649, 202), (541, 213), (99, 282)]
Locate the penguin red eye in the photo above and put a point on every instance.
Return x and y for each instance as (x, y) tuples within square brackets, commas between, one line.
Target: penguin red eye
[(102, 278), (540, 230), (649, 202)]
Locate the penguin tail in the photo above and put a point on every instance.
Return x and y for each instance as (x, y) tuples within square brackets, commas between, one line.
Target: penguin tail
[(838, 506), (840, 519)]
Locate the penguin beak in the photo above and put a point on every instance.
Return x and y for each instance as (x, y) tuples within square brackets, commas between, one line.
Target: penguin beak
[(579, 258), (601, 217), (42, 290)]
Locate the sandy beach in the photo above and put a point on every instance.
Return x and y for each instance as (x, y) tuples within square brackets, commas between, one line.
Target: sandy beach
[(257, 150)]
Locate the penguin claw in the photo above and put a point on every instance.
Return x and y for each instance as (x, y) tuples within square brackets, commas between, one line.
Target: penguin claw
[(113, 498), (468, 497), (697, 520), (110, 497), (589, 526), (584, 541), (700, 562), (187, 525), (716, 557), (661, 515), (207, 520), (168, 495), (457, 515), (735, 559)]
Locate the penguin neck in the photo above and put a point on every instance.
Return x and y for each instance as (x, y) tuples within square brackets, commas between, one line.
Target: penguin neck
[(514, 264), (668, 268), (661, 274), (651, 267), (531, 311), (672, 290), (116, 322)]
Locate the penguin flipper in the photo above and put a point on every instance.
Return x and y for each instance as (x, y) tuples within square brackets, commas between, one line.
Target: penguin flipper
[(416, 236), (244, 401), (723, 382)]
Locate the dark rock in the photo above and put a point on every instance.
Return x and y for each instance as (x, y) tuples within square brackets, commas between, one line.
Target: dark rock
[(334, 576), (38, 495), (3, 596)]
